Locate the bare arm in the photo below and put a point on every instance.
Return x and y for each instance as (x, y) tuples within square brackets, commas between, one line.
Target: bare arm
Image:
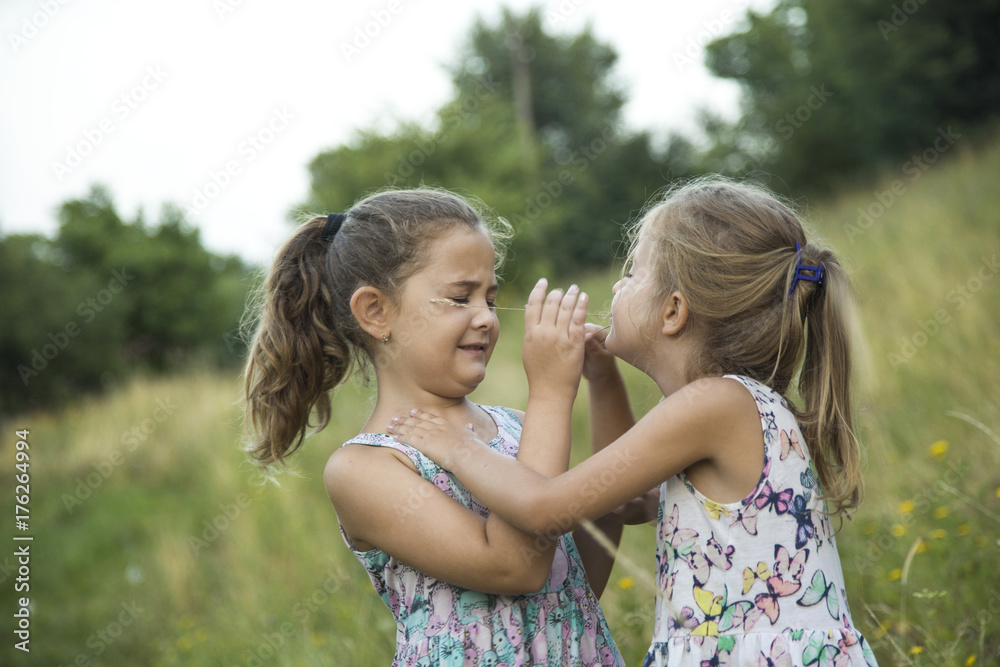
[(610, 417), (382, 502), (695, 423)]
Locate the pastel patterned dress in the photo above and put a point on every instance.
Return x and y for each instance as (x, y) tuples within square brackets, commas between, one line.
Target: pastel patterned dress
[(758, 581), (441, 624)]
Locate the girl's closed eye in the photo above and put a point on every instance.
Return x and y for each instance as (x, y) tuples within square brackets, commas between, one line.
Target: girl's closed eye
[(464, 301)]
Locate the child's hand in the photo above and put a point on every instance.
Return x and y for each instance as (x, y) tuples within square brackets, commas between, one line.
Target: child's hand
[(554, 328), (434, 437), (598, 363)]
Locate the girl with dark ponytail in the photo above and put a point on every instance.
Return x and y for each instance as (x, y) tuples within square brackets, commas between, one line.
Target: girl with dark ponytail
[(723, 303), (403, 284)]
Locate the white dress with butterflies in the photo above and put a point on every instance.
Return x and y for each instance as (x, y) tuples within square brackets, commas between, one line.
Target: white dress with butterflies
[(758, 581)]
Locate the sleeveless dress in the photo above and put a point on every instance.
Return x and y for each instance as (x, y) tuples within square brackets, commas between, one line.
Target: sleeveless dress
[(758, 581), (441, 624)]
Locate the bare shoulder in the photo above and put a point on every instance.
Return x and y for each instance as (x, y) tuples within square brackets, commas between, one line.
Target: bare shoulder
[(356, 464), (715, 411), (712, 397)]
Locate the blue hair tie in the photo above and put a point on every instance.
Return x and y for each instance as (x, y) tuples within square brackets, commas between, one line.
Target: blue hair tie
[(333, 223), (805, 272)]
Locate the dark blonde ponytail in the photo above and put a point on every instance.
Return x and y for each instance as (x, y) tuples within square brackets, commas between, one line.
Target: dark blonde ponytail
[(297, 356), (825, 380)]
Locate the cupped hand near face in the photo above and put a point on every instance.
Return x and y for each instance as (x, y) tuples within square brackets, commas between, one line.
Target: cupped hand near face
[(554, 330), (598, 363)]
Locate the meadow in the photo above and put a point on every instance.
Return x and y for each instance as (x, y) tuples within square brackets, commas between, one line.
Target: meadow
[(157, 543)]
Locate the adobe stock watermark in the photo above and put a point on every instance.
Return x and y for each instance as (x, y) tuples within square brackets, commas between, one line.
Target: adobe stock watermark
[(885, 542), (129, 441), (379, 20), (247, 151), (274, 641), (122, 107), (711, 30), (32, 24), (220, 523), (451, 120), (913, 169), (577, 162), (223, 8), (88, 309), (565, 9), (573, 513), (102, 639), (796, 119), (901, 13), (959, 296), (969, 630)]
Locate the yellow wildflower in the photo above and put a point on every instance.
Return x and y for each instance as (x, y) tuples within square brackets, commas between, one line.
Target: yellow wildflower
[(626, 583), (971, 660), (922, 547), (916, 650), (941, 512), (963, 529), (906, 507), (895, 574), (898, 530), (939, 449), (939, 534)]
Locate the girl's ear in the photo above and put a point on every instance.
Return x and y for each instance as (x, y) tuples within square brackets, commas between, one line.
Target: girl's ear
[(675, 314), (371, 306)]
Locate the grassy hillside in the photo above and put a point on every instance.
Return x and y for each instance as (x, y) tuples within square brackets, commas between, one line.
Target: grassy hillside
[(155, 543)]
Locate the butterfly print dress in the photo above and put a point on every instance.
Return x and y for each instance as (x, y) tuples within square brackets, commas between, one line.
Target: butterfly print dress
[(438, 624), (758, 581)]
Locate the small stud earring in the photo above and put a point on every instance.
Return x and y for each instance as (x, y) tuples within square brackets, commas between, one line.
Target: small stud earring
[(385, 339)]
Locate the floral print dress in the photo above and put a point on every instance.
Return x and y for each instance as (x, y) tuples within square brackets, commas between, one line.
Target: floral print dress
[(758, 581), (441, 624)]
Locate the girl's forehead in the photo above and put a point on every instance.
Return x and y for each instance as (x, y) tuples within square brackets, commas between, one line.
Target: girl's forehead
[(460, 255)]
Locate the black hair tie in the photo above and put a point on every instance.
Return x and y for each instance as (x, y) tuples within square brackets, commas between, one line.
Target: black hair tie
[(333, 223)]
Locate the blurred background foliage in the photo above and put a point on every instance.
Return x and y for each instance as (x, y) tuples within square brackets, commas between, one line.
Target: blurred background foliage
[(844, 105), (832, 94)]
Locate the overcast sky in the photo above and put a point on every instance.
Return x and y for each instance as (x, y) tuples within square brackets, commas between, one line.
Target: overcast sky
[(152, 99)]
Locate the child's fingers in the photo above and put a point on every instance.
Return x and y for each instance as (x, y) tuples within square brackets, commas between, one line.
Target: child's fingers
[(415, 421), (533, 310), (550, 309), (566, 306), (580, 312), (595, 336)]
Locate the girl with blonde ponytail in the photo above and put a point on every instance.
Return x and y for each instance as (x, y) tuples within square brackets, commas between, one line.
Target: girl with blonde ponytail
[(724, 302), (404, 285)]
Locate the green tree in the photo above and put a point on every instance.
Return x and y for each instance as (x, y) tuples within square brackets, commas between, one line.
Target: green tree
[(833, 91), (534, 130), (107, 296)]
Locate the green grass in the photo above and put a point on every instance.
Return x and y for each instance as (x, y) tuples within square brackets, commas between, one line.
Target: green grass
[(126, 571)]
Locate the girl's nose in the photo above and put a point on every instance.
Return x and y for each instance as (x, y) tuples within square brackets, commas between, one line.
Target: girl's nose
[(616, 287), (483, 318)]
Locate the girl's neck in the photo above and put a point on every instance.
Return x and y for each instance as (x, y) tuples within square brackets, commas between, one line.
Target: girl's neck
[(669, 365), (395, 401)]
